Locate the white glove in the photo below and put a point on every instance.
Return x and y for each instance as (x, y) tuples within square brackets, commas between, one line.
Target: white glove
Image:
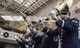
[(54, 14)]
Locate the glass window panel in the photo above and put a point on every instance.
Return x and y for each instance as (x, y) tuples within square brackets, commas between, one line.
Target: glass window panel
[(19, 1), (26, 5)]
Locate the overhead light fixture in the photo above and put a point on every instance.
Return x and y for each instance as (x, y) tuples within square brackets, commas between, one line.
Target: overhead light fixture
[(12, 18)]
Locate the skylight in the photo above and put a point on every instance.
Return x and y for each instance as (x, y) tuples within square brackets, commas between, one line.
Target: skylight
[(19, 1), (27, 3)]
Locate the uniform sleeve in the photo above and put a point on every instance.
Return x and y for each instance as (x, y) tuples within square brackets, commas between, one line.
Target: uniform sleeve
[(37, 39), (45, 29), (49, 32), (20, 42), (45, 42), (68, 25)]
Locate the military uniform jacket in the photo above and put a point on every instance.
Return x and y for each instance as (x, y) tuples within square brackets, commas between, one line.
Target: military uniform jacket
[(69, 32), (48, 41)]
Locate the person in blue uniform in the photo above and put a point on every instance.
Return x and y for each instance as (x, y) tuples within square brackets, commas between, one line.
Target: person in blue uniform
[(26, 42), (39, 40), (37, 37), (68, 29), (50, 42)]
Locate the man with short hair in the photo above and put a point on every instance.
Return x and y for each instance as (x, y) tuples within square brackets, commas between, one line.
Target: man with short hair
[(68, 29)]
